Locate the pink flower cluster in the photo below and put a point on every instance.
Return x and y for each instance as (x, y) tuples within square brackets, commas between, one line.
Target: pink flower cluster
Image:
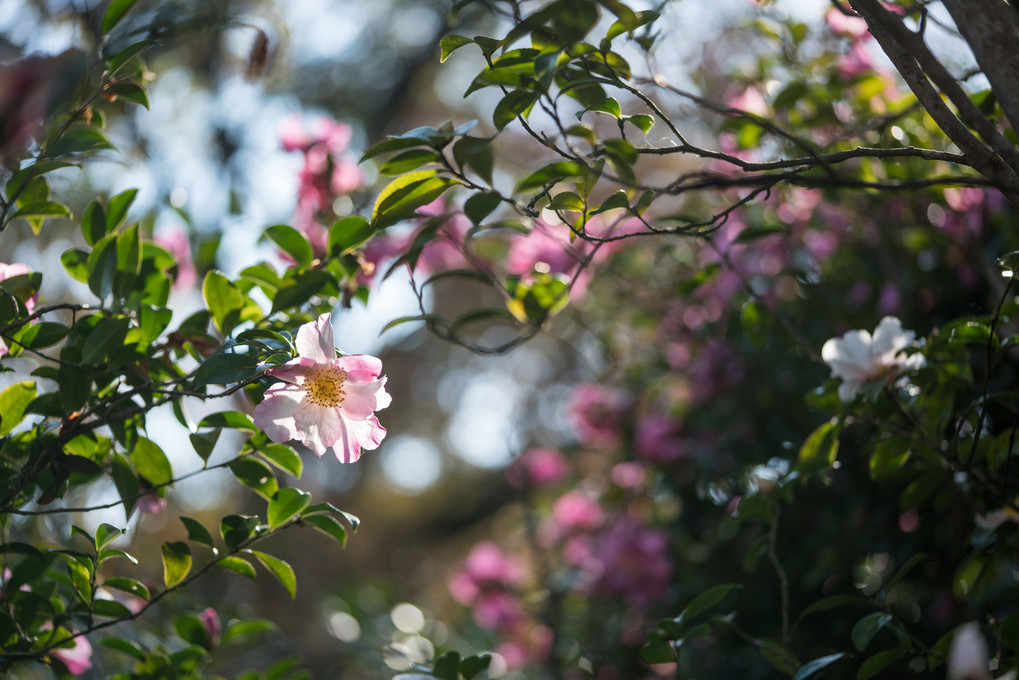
[(8, 271), (328, 172), (487, 583)]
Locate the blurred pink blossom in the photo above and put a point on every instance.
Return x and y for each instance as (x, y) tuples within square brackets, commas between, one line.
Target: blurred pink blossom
[(484, 568), (210, 619), (847, 26), (78, 658), (175, 240), (631, 475), (577, 511), (659, 440), (596, 413), (8, 271), (631, 561), (538, 467)]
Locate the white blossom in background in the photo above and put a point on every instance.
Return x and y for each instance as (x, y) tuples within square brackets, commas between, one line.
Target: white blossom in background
[(967, 659), (858, 356)]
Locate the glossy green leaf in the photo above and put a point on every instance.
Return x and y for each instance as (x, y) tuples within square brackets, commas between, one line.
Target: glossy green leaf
[(238, 565), (283, 457), (225, 368), (256, 475), (128, 585), (102, 266), (878, 663), (347, 233), (223, 300), (812, 667), (106, 533), (450, 43), (197, 531), (176, 562), (13, 402), (514, 104), (80, 140), (480, 206), (292, 242), (303, 287), (151, 462), (866, 628), (236, 529), (286, 504), (129, 647), (280, 569), (328, 526), (117, 207), (115, 12)]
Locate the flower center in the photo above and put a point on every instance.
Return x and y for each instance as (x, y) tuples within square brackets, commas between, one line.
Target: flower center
[(325, 387)]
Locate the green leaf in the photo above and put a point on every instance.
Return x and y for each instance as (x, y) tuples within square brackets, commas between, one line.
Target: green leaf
[(247, 627), (115, 12), (126, 481), (835, 602), (328, 526), (447, 666), (474, 665), (232, 419), (866, 628), (176, 562), (81, 140), (102, 266), (392, 144), (236, 529), (643, 121), (657, 649), (903, 571), (878, 663), (450, 43), (822, 445), (409, 160), (551, 173), (129, 647), (514, 104), (238, 565), (280, 569), (350, 232), (613, 202), (480, 206), (811, 667), (292, 242), (706, 600), (117, 207), (151, 462), (42, 209), (226, 368), (110, 609), (920, 489), (105, 339), (93, 223), (283, 457), (105, 534), (205, 442), (305, 285), (13, 402), (323, 508), (286, 504), (475, 153), (608, 105), (128, 585), (191, 630), (405, 194), (756, 320), (74, 261), (255, 475), (222, 298), (41, 335), (566, 200), (197, 531)]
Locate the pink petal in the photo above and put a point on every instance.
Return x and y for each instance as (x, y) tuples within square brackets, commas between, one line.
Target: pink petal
[(359, 434), (319, 427), (294, 371), (315, 340), (360, 368), (275, 415), (361, 401)]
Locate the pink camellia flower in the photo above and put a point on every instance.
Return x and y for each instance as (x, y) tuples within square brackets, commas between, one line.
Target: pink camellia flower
[(210, 619), (858, 357), (577, 511), (845, 25), (325, 401), (538, 467), (78, 658), (659, 439), (596, 413)]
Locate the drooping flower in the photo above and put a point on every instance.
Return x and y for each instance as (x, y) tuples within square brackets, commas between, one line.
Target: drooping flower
[(858, 356), (78, 658), (325, 401), (967, 659)]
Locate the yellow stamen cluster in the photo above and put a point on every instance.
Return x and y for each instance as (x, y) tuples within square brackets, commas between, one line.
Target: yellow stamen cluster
[(325, 387)]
